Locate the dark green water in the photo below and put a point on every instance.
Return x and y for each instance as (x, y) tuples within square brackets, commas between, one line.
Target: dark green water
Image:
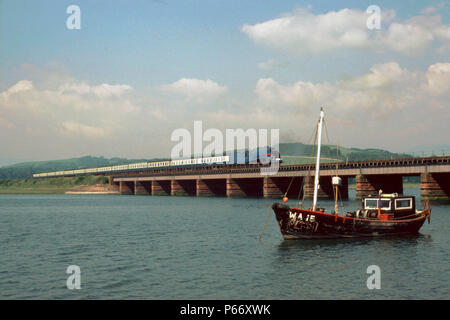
[(147, 247)]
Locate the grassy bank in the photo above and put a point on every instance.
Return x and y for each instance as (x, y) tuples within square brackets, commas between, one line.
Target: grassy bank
[(49, 185)]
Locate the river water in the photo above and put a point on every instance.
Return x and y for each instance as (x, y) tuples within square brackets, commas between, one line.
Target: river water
[(143, 247)]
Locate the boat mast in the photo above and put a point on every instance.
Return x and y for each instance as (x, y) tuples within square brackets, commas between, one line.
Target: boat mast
[(316, 176)]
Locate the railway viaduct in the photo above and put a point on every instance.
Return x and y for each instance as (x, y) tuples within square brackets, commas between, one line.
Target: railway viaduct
[(247, 181)]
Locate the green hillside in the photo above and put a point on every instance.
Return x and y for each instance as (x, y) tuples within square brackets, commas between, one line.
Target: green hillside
[(298, 152), (27, 169)]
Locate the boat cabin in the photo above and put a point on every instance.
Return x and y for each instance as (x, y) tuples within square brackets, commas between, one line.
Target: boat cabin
[(390, 205)]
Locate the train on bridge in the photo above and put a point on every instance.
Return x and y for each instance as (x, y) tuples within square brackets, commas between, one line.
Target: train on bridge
[(264, 155)]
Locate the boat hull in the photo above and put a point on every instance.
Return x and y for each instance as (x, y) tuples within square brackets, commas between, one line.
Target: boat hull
[(297, 224)]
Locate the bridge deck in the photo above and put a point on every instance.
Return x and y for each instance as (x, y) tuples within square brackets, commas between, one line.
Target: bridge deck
[(403, 167)]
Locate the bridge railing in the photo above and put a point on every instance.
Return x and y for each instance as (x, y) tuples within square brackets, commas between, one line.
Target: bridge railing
[(293, 159)]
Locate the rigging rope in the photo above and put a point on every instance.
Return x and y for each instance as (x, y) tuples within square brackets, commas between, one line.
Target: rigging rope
[(265, 224), (326, 130), (309, 167)]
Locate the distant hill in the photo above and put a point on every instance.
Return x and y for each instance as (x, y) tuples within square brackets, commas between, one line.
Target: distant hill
[(27, 169), (300, 153), (290, 152), (11, 161)]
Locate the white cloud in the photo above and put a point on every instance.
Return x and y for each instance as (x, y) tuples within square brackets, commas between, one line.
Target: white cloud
[(106, 90), (103, 90), (388, 106), (66, 110), (78, 88), (379, 76), (5, 124), (304, 32), (69, 119), (385, 89), (22, 85), (74, 129), (407, 38), (195, 89), (438, 78), (303, 94)]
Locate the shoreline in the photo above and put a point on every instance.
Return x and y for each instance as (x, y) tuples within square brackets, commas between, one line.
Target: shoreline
[(59, 185), (53, 191), (99, 189), (92, 192)]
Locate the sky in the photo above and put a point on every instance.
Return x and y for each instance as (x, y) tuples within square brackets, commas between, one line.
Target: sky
[(137, 70)]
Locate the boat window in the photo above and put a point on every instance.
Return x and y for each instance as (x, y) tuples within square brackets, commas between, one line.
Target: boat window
[(385, 204), (371, 204), (403, 203)]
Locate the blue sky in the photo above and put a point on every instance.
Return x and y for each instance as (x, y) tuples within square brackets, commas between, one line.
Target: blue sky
[(149, 42), (147, 45)]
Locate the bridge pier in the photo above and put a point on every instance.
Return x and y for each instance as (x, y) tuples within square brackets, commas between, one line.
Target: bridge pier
[(161, 188), (142, 187), (371, 184), (126, 187), (211, 187), (343, 189), (183, 188), (325, 190), (277, 187), (245, 187), (114, 183), (435, 186)]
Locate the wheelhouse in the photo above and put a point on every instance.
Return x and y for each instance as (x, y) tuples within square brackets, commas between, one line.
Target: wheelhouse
[(391, 204)]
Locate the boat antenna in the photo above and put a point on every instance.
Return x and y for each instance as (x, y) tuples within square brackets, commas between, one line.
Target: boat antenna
[(316, 176)]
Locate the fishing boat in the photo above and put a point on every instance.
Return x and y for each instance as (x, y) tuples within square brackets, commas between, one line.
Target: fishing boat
[(380, 214)]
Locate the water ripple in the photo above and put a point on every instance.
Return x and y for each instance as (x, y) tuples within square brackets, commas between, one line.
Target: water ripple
[(194, 248)]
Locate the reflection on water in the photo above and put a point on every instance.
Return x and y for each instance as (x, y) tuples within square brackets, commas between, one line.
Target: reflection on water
[(304, 247)]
